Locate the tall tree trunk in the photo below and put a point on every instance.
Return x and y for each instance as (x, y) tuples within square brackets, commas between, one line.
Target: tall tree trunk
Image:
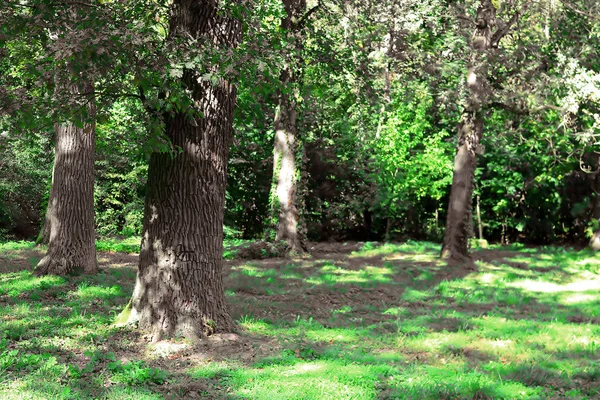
[(479, 223), (70, 215), (285, 169), (179, 285), (470, 130), (595, 241)]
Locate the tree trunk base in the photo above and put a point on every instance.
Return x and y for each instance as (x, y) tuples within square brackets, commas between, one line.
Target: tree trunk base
[(171, 324), (63, 266), (458, 260), (595, 242)]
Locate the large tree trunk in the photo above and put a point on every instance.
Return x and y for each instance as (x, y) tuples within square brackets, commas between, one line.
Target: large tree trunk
[(70, 215), (285, 169), (179, 285), (459, 222)]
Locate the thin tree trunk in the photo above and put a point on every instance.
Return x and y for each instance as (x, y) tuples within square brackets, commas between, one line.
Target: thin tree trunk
[(179, 285), (458, 225), (479, 224), (70, 214), (285, 169), (459, 221), (44, 235), (595, 241), (388, 228)]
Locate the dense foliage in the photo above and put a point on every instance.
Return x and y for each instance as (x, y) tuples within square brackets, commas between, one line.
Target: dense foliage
[(383, 88)]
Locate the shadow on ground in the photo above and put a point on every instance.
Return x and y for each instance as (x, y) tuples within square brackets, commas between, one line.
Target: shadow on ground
[(354, 321)]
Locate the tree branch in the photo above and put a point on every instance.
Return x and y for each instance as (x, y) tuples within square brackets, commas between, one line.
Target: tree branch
[(577, 11), (305, 17), (503, 31)]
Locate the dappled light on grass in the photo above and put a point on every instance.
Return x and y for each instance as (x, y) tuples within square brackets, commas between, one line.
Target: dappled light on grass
[(384, 322), (14, 284), (331, 275), (301, 328)]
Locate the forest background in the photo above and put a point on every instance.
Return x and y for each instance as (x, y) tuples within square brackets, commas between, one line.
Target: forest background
[(380, 88)]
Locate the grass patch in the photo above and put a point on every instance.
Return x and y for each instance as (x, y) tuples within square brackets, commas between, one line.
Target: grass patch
[(387, 321)]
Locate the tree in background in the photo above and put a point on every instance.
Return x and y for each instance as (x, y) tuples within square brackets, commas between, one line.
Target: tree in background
[(489, 31), (286, 171), (58, 35), (70, 215)]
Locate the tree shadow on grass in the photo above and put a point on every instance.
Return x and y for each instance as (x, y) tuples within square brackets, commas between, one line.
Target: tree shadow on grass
[(392, 323)]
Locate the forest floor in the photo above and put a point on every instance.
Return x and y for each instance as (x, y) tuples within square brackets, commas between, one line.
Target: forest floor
[(352, 321)]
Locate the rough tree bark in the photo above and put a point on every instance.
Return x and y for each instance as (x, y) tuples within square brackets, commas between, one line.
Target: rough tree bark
[(179, 285), (470, 130), (70, 215), (285, 169)]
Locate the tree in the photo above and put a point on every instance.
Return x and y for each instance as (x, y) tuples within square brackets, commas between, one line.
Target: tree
[(70, 215), (286, 172), (179, 287), (69, 223), (486, 37)]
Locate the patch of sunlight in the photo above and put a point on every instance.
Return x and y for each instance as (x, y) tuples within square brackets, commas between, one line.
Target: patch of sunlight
[(585, 340), (396, 311), (16, 283), (308, 380), (331, 274), (165, 348), (291, 275), (411, 295), (588, 261), (255, 325), (519, 259), (302, 369), (435, 341), (579, 298), (253, 271), (305, 328), (412, 257), (211, 369), (488, 278), (85, 292), (558, 337), (335, 335), (15, 246), (551, 287), (343, 310), (498, 343), (371, 249), (22, 310), (501, 328), (435, 382), (497, 347)]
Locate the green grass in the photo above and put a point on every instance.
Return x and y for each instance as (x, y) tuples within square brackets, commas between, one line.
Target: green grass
[(386, 321)]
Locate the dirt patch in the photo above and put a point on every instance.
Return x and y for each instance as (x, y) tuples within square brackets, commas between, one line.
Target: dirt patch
[(117, 260), (20, 260), (332, 250)]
